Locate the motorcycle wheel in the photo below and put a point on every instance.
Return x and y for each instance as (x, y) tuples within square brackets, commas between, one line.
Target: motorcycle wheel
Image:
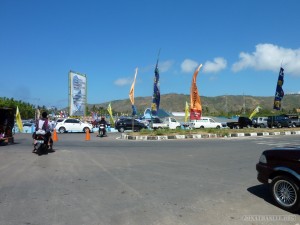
[(45, 149), (41, 149), (38, 148)]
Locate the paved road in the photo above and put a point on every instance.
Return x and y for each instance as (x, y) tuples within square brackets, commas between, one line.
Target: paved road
[(116, 182)]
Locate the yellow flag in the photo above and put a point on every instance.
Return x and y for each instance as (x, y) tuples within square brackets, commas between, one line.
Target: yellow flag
[(131, 92), (196, 107), (256, 110), (186, 112), (110, 113), (19, 120)]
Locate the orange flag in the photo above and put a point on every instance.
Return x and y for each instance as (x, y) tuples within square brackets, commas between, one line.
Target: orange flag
[(196, 107), (131, 92)]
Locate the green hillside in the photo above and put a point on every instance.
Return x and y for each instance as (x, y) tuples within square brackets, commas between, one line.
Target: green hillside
[(225, 104)]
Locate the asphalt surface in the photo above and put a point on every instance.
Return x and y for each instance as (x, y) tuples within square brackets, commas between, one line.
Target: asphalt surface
[(108, 181)]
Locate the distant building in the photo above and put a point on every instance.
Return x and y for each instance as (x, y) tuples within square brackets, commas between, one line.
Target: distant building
[(179, 114)]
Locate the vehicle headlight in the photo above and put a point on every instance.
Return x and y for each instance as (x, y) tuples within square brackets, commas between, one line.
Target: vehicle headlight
[(263, 159)]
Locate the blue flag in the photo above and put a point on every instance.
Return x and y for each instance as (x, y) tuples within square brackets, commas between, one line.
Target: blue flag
[(156, 93), (279, 91)]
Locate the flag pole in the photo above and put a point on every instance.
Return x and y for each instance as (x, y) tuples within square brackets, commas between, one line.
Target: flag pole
[(158, 55)]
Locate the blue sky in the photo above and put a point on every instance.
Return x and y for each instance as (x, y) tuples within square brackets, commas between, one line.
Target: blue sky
[(241, 45)]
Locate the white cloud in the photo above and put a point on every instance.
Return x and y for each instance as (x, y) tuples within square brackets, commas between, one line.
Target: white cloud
[(123, 81), (165, 65), (188, 66), (270, 57), (213, 67)]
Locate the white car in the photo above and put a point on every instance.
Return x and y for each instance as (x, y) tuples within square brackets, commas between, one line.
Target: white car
[(205, 122), (171, 122), (73, 125)]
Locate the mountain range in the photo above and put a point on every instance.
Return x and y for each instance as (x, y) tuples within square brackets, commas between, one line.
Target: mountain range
[(211, 105)]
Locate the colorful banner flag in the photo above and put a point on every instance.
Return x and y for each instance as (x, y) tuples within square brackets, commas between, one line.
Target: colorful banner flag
[(186, 112), (256, 110), (279, 91), (131, 94), (156, 93), (19, 120), (77, 94), (109, 109), (196, 107)]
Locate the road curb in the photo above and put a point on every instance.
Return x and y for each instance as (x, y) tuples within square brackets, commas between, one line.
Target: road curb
[(205, 136)]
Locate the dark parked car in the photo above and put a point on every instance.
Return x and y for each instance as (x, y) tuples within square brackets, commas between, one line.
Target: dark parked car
[(279, 121), (295, 120), (123, 124), (241, 123), (280, 168)]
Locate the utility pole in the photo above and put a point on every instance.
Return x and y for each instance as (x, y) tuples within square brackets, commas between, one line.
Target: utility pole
[(244, 105)]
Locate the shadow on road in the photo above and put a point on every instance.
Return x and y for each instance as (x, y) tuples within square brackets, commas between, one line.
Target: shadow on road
[(262, 191)]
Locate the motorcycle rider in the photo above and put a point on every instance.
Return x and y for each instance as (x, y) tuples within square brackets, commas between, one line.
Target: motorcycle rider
[(44, 126), (104, 123)]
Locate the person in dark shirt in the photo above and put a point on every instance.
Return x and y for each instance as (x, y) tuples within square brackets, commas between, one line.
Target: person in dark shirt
[(103, 122)]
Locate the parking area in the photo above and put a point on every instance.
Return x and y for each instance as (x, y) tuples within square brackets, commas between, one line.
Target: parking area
[(114, 181)]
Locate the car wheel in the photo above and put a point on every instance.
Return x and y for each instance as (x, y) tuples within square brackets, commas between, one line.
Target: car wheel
[(278, 125), (237, 127), (62, 130), (121, 129), (218, 127), (262, 126), (201, 127), (294, 125), (285, 192)]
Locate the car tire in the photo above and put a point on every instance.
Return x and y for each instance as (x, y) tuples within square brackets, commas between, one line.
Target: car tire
[(218, 127), (279, 125), (202, 127), (62, 130), (285, 193), (121, 129)]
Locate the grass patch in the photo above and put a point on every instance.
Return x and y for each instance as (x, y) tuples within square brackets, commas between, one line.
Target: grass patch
[(219, 132)]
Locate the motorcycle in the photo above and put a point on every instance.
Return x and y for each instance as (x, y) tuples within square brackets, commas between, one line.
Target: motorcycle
[(102, 130), (41, 144)]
